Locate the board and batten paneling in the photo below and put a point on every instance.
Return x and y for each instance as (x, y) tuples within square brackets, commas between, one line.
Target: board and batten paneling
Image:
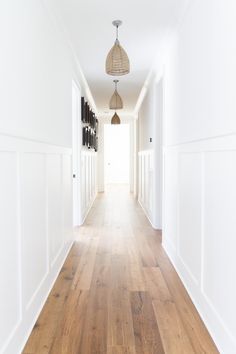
[(145, 183), (36, 225), (199, 228), (10, 304), (88, 181)]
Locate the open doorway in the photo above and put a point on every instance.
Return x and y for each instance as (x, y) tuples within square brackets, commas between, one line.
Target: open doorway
[(117, 154)]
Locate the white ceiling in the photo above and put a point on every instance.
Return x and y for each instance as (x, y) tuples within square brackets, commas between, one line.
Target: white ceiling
[(145, 25)]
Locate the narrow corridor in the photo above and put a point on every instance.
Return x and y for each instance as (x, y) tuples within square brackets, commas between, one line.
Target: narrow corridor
[(118, 292)]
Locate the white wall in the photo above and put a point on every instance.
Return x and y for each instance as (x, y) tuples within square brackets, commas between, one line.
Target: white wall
[(36, 70), (200, 162), (150, 152)]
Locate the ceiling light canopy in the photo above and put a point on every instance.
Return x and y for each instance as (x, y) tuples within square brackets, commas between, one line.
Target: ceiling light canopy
[(115, 119), (117, 62), (116, 101)]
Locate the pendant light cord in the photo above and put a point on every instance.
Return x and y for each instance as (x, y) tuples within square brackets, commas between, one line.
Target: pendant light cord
[(117, 33), (116, 92)]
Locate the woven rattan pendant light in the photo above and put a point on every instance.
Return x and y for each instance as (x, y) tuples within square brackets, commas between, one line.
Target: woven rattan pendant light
[(117, 62), (116, 101), (115, 119)]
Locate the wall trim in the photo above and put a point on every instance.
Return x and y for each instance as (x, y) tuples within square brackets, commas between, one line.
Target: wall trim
[(155, 227), (88, 210), (19, 144), (202, 140)]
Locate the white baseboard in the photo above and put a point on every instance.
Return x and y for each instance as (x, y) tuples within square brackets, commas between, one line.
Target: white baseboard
[(155, 227), (88, 210)]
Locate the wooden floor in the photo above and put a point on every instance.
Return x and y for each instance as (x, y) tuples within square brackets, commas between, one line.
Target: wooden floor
[(118, 292)]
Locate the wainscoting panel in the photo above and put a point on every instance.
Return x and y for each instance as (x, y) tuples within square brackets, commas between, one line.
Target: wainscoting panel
[(66, 198), (145, 188), (220, 234), (200, 226), (88, 181), (36, 229), (33, 223), (189, 238), (170, 197), (10, 304), (55, 206)]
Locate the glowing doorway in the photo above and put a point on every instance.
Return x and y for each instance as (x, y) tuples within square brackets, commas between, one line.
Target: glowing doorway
[(117, 154)]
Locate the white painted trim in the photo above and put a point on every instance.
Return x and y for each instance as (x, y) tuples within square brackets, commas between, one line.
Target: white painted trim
[(210, 139), (148, 217), (88, 210), (24, 145)]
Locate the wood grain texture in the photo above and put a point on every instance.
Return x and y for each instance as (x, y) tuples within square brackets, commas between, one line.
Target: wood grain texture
[(147, 336), (117, 292)]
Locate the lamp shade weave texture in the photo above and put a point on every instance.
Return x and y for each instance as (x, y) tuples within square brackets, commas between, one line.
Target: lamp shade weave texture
[(117, 62), (116, 101), (115, 119)]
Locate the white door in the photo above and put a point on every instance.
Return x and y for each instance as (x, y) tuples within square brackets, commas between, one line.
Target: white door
[(117, 153), (76, 147)]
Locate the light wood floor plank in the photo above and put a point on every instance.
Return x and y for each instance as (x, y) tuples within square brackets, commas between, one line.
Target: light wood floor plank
[(147, 336), (173, 334), (121, 350), (83, 277), (69, 332)]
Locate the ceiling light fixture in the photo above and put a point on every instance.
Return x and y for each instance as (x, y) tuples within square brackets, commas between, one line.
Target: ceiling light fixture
[(115, 119), (117, 62), (116, 101)]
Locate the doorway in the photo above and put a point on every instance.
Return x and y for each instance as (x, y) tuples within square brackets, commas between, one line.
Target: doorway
[(117, 154)]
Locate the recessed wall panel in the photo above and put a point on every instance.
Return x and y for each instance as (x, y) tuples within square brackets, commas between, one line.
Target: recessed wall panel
[(34, 230), (9, 250), (67, 196), (190, 192), (170, 198), (54, 198), (220, 234)]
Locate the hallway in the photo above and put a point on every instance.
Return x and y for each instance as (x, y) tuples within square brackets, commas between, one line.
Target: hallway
[(117, 292), (141, 95)]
